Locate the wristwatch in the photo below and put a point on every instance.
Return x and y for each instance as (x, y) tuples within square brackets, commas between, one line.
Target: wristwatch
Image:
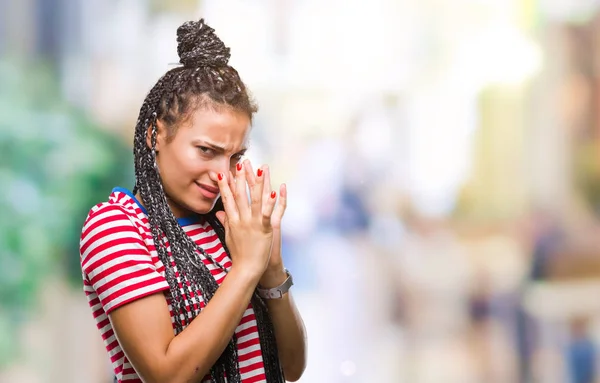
[(277, 292)]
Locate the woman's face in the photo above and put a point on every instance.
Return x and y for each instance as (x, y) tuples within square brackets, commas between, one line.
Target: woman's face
[(210, 141)]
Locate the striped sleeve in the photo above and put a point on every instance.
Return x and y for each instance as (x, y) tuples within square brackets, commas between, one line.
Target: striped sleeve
[(116, 259)]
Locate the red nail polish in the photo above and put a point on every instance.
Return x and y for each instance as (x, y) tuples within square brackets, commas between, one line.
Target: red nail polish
[(239, 166), (273, 194), (259, 172), (220, 175)]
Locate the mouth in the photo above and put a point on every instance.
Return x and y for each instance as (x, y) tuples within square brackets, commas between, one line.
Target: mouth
[(209, 192)]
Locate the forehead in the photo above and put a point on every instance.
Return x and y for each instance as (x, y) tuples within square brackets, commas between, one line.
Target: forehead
[(223, 126)]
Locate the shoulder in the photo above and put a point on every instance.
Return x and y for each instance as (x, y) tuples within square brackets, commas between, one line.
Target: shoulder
[(120, 208), (116, 222), (108, 216)]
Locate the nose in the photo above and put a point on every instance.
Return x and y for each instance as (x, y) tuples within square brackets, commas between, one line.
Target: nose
[(222, 166)]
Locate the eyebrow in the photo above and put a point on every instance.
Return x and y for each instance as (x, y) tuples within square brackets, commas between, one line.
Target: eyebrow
[(221, 149)]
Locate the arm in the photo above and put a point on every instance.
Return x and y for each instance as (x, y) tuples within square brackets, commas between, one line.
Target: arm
[(287, 322), (145, 333), (289, 327)]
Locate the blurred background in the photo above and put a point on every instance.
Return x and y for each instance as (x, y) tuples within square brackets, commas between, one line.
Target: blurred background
[(442, 160)]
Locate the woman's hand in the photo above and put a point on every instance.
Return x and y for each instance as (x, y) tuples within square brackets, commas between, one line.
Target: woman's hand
[(247, 221), (274, 273)]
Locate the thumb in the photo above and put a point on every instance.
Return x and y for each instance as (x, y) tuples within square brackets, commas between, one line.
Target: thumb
[(222, 217)]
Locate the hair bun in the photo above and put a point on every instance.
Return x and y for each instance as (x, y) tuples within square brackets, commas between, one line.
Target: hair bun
[(198, 45)]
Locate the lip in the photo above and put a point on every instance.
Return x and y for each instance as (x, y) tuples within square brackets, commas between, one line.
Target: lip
[(208, 191)]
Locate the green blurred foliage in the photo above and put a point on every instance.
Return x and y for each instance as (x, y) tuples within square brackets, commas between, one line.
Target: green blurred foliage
[(55, 164)]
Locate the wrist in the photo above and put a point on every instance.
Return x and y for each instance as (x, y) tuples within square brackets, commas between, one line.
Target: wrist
[(277, 292), (273, 277), (244, 275)]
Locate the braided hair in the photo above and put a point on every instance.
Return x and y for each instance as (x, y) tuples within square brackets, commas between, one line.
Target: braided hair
[(204, 80)]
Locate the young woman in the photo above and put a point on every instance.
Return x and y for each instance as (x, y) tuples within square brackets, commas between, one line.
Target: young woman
[(184, 273)]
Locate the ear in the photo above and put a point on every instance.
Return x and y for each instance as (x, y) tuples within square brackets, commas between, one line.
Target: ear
[(160, 136)]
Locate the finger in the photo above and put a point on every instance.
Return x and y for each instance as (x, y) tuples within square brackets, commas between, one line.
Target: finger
[(222, 217), (250, 177), (281, 203), (227, 197), (267, 209), (266, 193), (231, 180), (255, 183), (241, 196)]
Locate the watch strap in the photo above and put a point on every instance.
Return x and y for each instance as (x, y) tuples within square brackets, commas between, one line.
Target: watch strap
[(279, 291)]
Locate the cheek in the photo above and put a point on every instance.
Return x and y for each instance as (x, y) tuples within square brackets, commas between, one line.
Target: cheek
[(175, 163)]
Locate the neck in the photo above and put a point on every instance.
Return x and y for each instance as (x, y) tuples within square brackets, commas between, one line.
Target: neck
[(178, 211)]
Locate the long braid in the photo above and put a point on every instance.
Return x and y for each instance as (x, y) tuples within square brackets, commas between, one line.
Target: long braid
[(205, 79)]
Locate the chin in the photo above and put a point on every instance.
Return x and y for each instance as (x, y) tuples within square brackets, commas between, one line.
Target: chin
[(202, 207)]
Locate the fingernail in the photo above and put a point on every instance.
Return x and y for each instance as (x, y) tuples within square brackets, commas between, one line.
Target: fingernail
[(239, 166), (273, 194), (220, 175), (259, 172)]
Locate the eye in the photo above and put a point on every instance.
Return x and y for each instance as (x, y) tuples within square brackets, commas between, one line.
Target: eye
[(237, 157), (205, 150)]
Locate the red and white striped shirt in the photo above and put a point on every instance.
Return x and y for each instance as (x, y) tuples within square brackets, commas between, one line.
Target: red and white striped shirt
[(120, 264)]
